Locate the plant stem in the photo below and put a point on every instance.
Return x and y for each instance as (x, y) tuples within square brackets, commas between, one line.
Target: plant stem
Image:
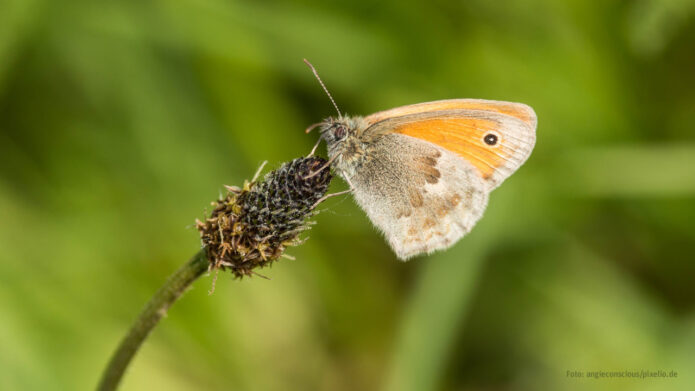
[(172, 289)]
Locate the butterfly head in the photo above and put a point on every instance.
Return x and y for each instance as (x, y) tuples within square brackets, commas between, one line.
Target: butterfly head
[(343, 141), (336, 131), (342, 135)]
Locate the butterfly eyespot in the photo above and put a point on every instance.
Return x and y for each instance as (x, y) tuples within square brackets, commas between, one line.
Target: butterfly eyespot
[(491, 139)]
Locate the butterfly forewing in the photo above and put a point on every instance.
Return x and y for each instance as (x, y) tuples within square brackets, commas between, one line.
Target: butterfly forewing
[(517, 110), (496, 140)]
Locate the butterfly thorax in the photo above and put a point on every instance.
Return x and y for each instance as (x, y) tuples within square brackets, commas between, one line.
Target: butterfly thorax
[(345, 143)]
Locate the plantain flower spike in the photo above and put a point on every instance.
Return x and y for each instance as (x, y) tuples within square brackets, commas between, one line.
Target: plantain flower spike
[(252, 227)]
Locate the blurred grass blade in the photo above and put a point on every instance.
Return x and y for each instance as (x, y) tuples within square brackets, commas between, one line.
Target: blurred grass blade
[(633, 171), (653, 24), (434, 316), (17, 18)]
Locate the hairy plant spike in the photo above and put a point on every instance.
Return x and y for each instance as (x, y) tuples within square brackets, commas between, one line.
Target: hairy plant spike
[(251, 227)]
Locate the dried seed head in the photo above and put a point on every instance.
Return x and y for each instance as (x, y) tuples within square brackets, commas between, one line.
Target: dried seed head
[(252, 227)]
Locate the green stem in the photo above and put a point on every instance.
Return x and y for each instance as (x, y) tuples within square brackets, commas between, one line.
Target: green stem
[(172, 289)]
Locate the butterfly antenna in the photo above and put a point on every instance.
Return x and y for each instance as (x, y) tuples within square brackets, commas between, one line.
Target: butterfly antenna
[(323, 85)]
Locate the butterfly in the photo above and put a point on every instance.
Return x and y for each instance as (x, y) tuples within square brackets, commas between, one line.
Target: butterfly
[(423, 172)]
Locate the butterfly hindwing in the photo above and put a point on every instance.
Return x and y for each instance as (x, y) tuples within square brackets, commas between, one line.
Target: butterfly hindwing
[(420, 195)]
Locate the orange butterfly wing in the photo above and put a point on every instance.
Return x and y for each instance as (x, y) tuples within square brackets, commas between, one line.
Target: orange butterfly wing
[(461, 126), (516, 110)]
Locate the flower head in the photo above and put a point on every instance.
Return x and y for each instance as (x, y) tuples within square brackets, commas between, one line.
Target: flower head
[(252, 227)]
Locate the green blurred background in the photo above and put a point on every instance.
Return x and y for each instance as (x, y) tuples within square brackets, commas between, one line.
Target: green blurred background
[(121, 121)]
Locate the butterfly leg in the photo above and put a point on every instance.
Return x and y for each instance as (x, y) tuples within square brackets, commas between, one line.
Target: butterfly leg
[(317, 172), (347, 179), (313, 150), (327, 196)]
